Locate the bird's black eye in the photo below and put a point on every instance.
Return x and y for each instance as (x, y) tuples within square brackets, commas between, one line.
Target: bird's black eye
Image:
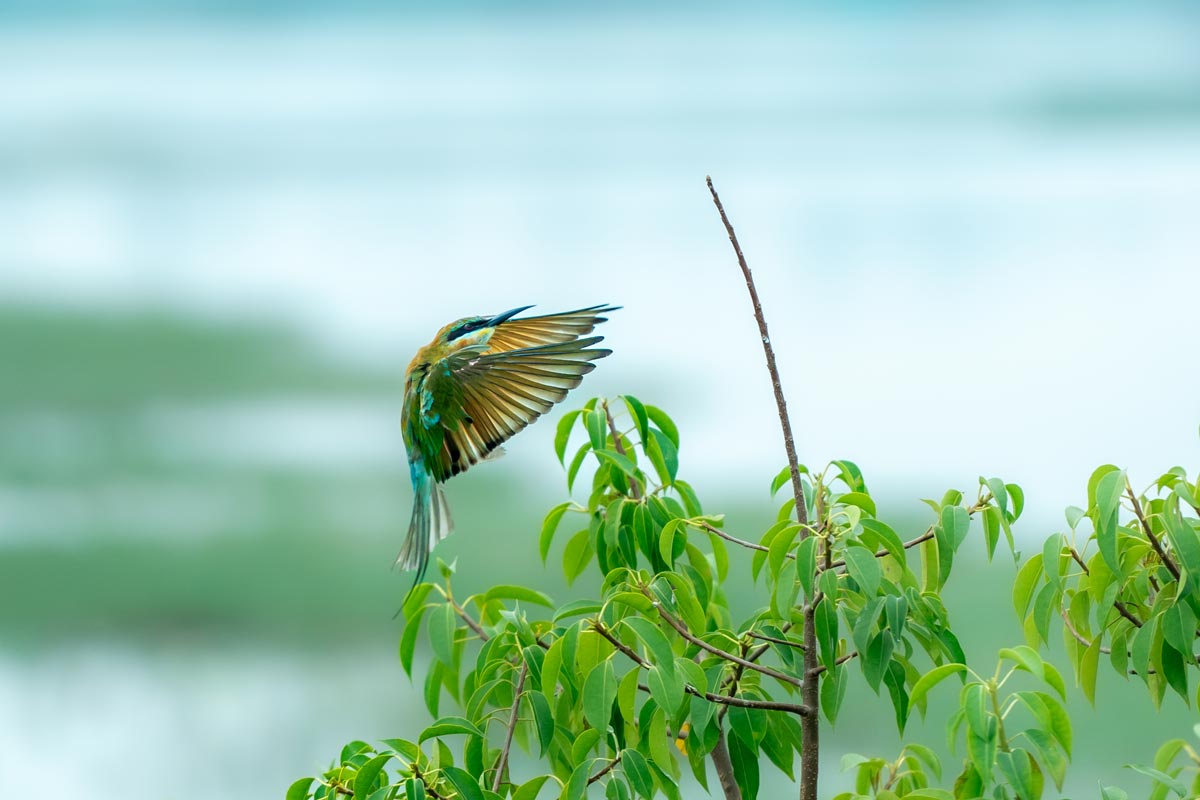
[(465, 328)]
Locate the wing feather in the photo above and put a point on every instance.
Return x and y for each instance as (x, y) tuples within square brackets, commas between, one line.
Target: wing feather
[(560, 328), (501, 391)]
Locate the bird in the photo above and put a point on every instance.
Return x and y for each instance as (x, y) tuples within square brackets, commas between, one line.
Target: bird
[(480, 381)]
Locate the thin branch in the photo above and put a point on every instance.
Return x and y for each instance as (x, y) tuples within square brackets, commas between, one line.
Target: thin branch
[(775, 639), (683, 631), (512, 726), (731, 538), (766, 705), (1079, 637), (635, 491), (837, 662), (780, 402), (911, 543), (810, 726), (471, 623), (609, 767), (1121, 608), (1154, 542)]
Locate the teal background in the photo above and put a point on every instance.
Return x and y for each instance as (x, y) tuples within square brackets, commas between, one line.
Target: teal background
[(224, 228)]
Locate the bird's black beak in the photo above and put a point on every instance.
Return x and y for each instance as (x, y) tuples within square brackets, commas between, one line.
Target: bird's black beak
[(507, 315)]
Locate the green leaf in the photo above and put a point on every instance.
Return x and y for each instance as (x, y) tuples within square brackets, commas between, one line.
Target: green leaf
[(442, 626), (806, 563), (860, 500), (833, 691), (991, 529), (1108, 496), (584, 743), (666, 687), (549, 526), (543, 719), (447, 726), (299, 789), (656, 643), (529, 790), (597, 427), (1174, 784), (462, 781), (577, 555), (414, 789), (576, 463), (663, 423), (667, 540), (640, 418), (563, 432), (686, 602), (368, 773), (864, 568), (657, 739), (956, 523), (599, 692), (408, 640), (638, 773), (664, 455), (1087, 670), (576, 788), (784, 476), (506, 592), (851, 475), (1179, 626), (931, 679)]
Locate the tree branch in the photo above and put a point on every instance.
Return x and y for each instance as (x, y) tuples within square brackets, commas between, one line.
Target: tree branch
[(765, 705), (724, 766), (635, 491), (683, 631), (512, 726), (810, 760), (471, 623), (609, 767), (1121, 608), (1154, 542)]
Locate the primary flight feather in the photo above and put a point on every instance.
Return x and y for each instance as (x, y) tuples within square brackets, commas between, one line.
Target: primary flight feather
[(468, 391)]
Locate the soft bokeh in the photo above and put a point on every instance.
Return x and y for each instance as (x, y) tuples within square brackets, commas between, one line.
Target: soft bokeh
[(224, 229)]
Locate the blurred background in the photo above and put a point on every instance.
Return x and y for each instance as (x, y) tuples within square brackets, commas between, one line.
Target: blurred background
[(225, 227)]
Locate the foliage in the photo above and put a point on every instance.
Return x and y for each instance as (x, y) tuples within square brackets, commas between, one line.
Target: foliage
[(600, 689)]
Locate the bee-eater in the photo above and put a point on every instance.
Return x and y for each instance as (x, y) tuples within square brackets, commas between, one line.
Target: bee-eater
[(468, 391)]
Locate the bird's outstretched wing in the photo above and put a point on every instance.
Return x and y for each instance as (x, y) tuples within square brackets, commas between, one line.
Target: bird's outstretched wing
[(473, 402), (565, 326)]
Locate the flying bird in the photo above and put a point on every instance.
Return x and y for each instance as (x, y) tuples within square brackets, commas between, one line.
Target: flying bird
[(468, 391)]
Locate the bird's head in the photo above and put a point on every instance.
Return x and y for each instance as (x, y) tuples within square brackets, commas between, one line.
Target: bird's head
[(470, 331)]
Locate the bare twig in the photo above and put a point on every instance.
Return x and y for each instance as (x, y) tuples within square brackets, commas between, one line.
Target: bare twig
[(1154, 542), (784, 421), (810, 760), (512, 726)]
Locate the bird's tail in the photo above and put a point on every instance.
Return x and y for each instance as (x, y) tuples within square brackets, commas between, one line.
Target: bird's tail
[(430, 523)]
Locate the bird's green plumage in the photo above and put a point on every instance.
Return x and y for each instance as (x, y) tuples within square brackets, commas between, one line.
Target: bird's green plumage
[(480, 381)]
